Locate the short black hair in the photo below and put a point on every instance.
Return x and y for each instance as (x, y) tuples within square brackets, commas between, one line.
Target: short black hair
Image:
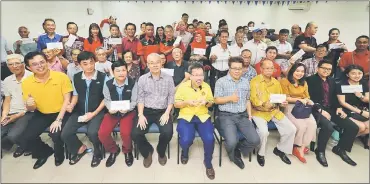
[(321, 46), (236, 59), (149, 24), (208, 24), (142, 24), (250, 22), (125, 52), (200, 22), (190, 25), (43, 47), (239, 27), (324, 61), (349, 68), (85, 55), (48, 19), (224, 31), (271, 48), (130, 24), (222, 24), (284, 31), (195, 20), (245, 27), (291, 72), (69, 23), (114, 25), (31, 55), (184, 14), (118, 63), (222, 21), (362, 36), (195, 65)]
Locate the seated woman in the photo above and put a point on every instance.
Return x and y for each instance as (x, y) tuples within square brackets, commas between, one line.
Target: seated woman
[(133, 69), (296, 89), (356, 104)]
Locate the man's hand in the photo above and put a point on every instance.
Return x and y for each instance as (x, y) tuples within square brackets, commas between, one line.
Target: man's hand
[(64, 40), (310, 102), (325, 114), (69, 107), (30, 102), (56, 126), (18, 43), (284, 104), (187, 75), (191, 103), (142, 122), (234, 97), (89, 116), (213, 58), (164, 119), (341, 113), (9, 119)]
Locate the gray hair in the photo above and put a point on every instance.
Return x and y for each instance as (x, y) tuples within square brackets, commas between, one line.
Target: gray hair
[(15, 56), (100, 48), (153, 55)]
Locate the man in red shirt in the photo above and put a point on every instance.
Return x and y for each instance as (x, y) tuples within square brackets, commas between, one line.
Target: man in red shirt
[(360, 56), (147, 45), (129, 43), (168, 44)]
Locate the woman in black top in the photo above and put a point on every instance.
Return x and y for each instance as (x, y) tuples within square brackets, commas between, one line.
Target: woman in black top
[(355, 104)]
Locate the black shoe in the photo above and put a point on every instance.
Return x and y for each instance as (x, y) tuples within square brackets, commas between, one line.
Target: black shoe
[(40, 162), (59, 161), (343, 154), (365, 141), (18, 152), (27, 153), (320, 157), (282, 156), (239, 162), (112, 158), (184, 160), (261, 160), (129, 159), (95, 161)]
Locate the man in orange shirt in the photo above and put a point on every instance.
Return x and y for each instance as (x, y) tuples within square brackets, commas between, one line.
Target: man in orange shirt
[(360, 56), (147, 45), (167, 45)]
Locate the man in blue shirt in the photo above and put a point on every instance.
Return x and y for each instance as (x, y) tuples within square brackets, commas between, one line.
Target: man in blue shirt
[(49, 36)]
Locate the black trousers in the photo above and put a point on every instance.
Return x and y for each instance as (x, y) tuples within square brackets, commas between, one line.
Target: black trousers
[(214, 76), (166, 132), (31, 140)]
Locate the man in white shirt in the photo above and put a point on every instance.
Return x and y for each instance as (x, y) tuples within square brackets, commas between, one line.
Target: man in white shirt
[(5, 72), (284, 50), (239, 44), (102, 64), (256, 46), (186, 36)]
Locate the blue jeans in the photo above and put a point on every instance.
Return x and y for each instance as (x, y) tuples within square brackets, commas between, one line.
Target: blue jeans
[(186, 132)]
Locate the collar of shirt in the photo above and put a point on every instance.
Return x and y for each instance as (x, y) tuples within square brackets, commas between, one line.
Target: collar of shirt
[(93, 78), (256, 42), (228, 76), (281, 42), (306, 35), (37, 81), (117, 85), (160, 76), (131, 40), (149, 39), (356, 53), (25, 75)]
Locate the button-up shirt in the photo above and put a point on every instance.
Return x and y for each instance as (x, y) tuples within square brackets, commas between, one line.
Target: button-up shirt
[(226, 86), (57, 66), (25, 48), (13, 89), (186, 37), (186, 92), (119, 89), (72, 69), (236, 50), (250, 73), (283, 48), (311, 65), (44, 39), (156, 93), (77, 44), (221, 63), (260, 93), (258, 51)]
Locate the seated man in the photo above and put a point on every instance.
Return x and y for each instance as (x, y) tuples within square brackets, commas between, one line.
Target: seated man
[(120, 88), (193, 99), (55, 59), (88, 100), (235, 113), (262, 86), (14, 118), (156, 92), (49, 110)]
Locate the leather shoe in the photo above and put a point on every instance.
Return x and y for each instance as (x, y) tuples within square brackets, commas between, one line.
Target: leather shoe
[(261, 160), (239, 162), (59, 161), (342, 153), (320, 157), (112, 158), (95, 161), (129, 159), (40, 162), (184, 160), (210, 172), (148, 160), (282, 156), (298, 155), (18, 152), (162, 160)]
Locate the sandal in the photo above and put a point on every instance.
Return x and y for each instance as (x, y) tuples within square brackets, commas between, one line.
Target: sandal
[(77, 157)]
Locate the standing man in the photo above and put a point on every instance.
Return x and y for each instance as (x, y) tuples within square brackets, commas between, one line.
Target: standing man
[(239, 45), (5, 72), (262, 86), (284, 50), (14, 117), (184, 19), (193, 98), (24, 48), (167, 45), (256, 46), (295, 31), (49, 110), (232, 94), (88, 100), (306, 41), (49, 36), (112, 49), (186, 36), (78, 43), (155, 101), (147, 45), (129, 43)]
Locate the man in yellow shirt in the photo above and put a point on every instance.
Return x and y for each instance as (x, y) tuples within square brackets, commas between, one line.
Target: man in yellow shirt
[(47, 93), (262, 86), (193, 99)]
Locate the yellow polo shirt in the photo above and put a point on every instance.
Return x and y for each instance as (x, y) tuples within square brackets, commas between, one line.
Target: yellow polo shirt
[(186, 92), (260, 93), (49, 96)]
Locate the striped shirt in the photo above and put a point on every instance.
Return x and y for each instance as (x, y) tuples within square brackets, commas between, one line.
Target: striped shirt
[(226, 86), (311, 66), (156, 93)]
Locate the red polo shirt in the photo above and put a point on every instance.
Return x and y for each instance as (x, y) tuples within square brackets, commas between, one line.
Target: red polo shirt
[(129, 45), (361, 59), (167, 44), (147, 46), (277, 71)]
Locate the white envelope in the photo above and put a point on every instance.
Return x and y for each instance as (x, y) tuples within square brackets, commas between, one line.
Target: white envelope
[(297, 55), (200, 51), (351, 88), (277, 98), (71, 39), (81, 118), (208, 38), (120, 105), (27, 40), (54, 45), (335, 46), (115, 41), (178, 40), (167, 71)]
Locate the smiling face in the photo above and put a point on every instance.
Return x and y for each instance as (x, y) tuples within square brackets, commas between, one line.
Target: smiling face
[(15, 66), (154, 64), (362, 44), (149, 31), (247, 56), (168, 32), (334, 35), (49, 53), (128, 57), (49, 26), (38, 65), (298, 73), (130, 31), (72, 29), (120, 73), (324, 70), (197, 76), (88, 66), (23, 32), (271, 54), (236, 70), (320, 52), (114, 32), (355, 75)]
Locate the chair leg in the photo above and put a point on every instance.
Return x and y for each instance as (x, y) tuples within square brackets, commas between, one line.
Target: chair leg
[(254, 151), (168, 151), (250, 157), (178, 149), (137, 152), (312, 146), (102, 150), (220, 159)]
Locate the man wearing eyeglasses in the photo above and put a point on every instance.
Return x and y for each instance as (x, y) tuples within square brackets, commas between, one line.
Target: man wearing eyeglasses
[(311, 63), (47, 93), (14, 118), (232, 95), (193, 99)]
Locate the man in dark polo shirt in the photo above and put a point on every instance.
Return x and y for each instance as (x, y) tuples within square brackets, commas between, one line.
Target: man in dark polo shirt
[(179, 66), (306, 41)]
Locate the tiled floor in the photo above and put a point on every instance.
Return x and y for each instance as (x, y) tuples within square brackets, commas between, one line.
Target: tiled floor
[(20, 170)]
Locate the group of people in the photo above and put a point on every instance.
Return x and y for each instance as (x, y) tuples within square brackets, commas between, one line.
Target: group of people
[(61, 90)]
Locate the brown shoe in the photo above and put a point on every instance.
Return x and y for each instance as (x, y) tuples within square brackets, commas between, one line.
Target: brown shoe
[(163, 160), (148, 160), (210, 173)]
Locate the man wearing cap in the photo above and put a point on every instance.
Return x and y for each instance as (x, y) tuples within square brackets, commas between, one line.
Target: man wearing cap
[(306, 41), (256, 46)]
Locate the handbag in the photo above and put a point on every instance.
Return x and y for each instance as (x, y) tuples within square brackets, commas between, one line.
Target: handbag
[(301, 111)]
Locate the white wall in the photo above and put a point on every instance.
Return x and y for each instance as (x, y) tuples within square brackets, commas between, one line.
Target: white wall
[(352, 18)]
